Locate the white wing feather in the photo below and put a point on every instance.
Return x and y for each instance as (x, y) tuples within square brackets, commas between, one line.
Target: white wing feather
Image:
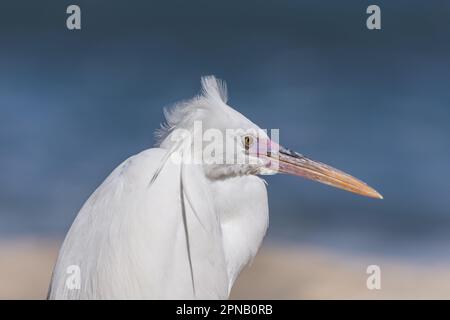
[(135, 240)]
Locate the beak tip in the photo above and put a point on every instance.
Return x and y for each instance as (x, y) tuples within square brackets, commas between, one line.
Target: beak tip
[(375, 194)]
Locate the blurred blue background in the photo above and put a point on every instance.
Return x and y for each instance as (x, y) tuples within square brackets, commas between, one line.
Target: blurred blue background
[(74, 104)]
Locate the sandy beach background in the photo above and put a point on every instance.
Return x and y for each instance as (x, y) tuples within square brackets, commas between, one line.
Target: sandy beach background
[(277, 272)]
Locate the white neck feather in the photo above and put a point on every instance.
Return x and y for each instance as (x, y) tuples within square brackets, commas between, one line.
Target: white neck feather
[(244, 216)]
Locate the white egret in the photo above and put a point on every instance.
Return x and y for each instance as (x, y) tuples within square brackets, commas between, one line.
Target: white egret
[(158, 228)]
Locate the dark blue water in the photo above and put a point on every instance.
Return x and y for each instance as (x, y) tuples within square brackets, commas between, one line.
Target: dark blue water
[(73, 105)]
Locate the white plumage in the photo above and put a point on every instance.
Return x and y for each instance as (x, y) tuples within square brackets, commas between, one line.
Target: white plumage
[(186, 235), (157, 228)]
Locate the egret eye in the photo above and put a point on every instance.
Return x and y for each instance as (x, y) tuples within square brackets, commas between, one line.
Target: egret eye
[(248, 141)]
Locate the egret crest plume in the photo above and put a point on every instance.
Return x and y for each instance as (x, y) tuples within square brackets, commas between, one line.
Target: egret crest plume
[(213, 97)]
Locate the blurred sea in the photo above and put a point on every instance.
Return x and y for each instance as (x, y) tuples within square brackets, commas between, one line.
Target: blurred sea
[(73, 105)]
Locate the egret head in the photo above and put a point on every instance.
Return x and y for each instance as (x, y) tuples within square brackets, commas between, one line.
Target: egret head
[(207, 131)]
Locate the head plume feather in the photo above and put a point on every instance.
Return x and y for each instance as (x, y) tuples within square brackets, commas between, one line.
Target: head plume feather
[(183, 114)]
